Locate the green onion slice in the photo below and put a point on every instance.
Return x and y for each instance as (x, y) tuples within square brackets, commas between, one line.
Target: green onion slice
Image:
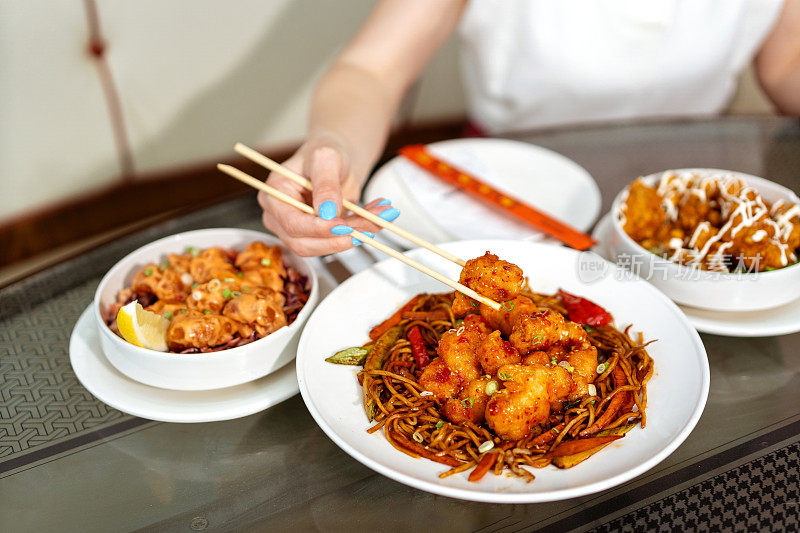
[(486, 446), (508, 308)]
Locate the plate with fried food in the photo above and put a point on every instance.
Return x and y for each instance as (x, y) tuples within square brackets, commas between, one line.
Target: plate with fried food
[(570, 388), (712, 239)]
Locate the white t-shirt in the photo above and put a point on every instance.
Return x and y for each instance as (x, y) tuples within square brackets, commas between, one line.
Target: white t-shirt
[(536, 63)]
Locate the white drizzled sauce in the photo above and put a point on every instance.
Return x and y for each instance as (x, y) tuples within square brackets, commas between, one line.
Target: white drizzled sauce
[(675, 242), (670, 209), (758, 236), (784, 220), (701, 227)]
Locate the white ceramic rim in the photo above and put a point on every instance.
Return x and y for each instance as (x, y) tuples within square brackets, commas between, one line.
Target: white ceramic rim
[(290, 329), (274, 378), (683, 269), (500, 497)]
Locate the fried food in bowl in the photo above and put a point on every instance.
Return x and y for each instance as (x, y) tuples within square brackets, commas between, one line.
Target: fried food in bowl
[(708, 238)]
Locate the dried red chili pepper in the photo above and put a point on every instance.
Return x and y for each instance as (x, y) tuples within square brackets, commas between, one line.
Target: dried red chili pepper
[(584, 311), (418, 349)]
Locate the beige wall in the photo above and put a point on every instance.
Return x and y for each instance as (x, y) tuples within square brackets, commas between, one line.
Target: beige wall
[(193, 76)]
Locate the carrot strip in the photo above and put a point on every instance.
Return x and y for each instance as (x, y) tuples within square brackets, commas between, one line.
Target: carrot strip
[(613, 407), (422, 452), (483, 466), (572, 447), (548, 436), (395, 319)]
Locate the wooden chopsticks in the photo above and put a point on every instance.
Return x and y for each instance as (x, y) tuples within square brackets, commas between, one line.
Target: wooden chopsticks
[(257, 184), (268, 163)]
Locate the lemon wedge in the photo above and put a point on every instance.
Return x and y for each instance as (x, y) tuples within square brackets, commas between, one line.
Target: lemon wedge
[(142, 328)]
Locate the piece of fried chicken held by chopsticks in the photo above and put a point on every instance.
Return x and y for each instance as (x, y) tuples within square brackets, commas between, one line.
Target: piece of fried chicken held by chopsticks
[(525, 401), (489, 276)]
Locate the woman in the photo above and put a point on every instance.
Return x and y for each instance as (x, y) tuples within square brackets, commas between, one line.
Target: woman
[(527, 63)]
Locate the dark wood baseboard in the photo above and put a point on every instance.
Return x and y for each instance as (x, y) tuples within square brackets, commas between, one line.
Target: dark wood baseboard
[(168, 193)]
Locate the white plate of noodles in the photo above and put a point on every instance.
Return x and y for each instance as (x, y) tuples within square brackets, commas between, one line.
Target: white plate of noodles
[(676, 393)]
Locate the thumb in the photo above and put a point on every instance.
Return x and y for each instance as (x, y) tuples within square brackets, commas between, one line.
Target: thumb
[(326, 172)]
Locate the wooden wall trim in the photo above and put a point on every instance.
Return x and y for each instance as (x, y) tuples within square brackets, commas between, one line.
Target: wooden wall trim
[(180, 190)]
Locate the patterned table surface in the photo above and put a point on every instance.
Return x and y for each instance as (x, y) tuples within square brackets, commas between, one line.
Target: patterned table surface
[(69, 462)]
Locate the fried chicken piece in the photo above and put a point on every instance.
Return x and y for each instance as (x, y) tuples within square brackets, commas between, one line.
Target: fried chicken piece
[(213, 295), (181, 263), (583, 360), (166, 283), (693, 210), (211, 263), (193, 329), (262, 265), (491, 277), (495, 352), (162, 306), (504, 320), (263, 277), (545, 357), (643, 211), (440, 380), (457, 363), (260, 309), (525, 401), (534, 332), (470, 404)]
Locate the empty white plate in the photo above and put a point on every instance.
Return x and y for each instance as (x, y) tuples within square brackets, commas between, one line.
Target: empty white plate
[(775, 321), (439, 212), (112, 387)]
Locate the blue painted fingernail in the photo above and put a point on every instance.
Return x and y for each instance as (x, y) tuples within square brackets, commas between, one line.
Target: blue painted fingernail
[(389, 214), (327, 211), (341, 229), (385, 202), (356, 242)]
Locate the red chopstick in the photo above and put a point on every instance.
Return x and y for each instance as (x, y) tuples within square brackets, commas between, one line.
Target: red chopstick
[(473, 186)]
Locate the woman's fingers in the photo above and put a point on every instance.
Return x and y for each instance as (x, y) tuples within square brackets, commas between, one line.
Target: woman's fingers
[(326, 171), (311, 235)]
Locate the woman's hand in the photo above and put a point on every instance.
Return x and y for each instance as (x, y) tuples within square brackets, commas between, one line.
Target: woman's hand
[(326, 165)]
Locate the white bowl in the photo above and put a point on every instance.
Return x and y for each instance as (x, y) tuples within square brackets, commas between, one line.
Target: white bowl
[(704, 289), (199, 371)]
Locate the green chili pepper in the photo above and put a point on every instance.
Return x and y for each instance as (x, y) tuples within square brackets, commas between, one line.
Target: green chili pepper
[(357, 355)]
